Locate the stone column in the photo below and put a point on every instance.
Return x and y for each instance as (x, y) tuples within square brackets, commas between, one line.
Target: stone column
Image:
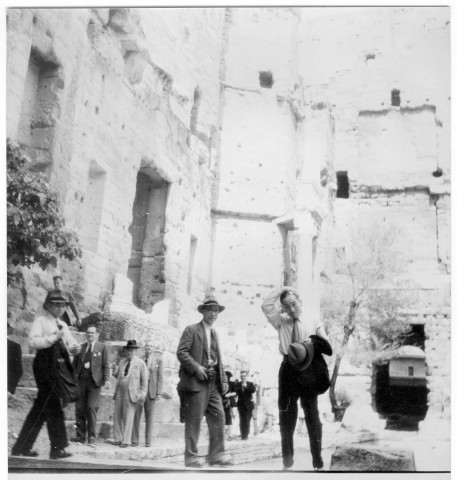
[(307, 286)]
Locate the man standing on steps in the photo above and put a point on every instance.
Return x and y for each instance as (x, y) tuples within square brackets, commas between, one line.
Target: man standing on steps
[(58, 287), (283, 309), (154, 392), (202, 382), (92, 371)]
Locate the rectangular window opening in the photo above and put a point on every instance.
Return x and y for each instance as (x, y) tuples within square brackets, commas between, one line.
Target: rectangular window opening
[(192, 251), (342, 185)]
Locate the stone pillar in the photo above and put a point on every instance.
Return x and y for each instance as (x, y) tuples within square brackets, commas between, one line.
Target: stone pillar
[(305, 234)]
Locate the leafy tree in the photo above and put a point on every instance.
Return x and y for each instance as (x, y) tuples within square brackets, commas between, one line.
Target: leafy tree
[(36, 232), (360, 300)]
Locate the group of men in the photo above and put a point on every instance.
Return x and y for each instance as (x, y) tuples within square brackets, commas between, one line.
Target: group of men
[(138, 386), (203, 381)]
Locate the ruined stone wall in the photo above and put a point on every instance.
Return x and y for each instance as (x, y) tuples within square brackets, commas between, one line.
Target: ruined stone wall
[(396, 152), (126, 101), (257, 165)]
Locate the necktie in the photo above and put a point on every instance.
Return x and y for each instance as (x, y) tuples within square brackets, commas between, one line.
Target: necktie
[(213, 348), (146, 358), (88, 353), (296, 331), (126, 371)]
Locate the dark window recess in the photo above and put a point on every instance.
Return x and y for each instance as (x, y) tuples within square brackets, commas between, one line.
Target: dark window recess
[(415, 337), (343, 185), (410, 371), (266, 79), (395, 97)]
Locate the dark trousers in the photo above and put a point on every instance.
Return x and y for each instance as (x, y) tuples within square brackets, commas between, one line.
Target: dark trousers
[(46, 408), (245, 422), (290, 390), (194, 406), (87, 406)]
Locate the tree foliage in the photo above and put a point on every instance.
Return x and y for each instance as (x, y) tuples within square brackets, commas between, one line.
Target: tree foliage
[(36, 232), (361, 300)]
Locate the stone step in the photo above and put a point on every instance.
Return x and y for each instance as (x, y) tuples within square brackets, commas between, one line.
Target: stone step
[(254, 449), (166, 410)]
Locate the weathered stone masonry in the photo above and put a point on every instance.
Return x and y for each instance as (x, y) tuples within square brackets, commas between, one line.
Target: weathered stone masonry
[(201, 148)]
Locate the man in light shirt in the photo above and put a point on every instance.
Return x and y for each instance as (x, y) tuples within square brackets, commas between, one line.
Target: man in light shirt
[(49, 335), (283, 309)]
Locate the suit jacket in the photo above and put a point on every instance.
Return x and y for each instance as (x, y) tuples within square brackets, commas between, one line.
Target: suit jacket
[(99, 368), (245, 401), (155, 373), (138, 378), (192, 353), (14, 365)]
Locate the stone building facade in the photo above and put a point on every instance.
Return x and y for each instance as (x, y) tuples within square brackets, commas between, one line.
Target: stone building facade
[(203, 149)]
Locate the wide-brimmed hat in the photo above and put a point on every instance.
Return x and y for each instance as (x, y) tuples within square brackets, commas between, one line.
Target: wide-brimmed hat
[(210, 301), (300, 355), (55, 297), (131, 345)]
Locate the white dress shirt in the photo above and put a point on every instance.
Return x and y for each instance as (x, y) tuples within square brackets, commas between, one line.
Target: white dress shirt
[(43, 330), (284, 324)]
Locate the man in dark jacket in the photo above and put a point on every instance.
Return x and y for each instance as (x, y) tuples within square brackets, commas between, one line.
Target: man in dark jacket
[(14, 361), (202, 382), (244, 390), (92, 371)]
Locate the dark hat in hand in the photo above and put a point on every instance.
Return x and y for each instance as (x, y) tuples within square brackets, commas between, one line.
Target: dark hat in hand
[(131, 345), (300, 355), (210, 301)]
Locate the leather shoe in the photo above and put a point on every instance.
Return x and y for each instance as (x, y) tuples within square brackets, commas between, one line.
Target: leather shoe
[(223, 462), (25, 453), (91, 440), (123, 445), (197, 463), (59, 453)]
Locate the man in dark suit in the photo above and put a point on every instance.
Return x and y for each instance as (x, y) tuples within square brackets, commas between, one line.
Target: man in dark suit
[(92, 371), (14, 361), (202, 382), (244, 390)]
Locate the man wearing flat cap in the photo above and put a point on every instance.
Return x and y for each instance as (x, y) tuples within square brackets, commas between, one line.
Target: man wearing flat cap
[(302, 340), (130, 391), (202, 382)]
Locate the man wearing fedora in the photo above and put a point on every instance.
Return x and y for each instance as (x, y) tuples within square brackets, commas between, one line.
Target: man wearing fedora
[(52, 340), (202, 382), (58, 287), (130, 391), (301, 338)]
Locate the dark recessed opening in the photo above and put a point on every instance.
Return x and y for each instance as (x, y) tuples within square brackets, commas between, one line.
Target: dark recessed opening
[(415, 337), (438, 172), (266, 79), (395, 97), (343, 185)]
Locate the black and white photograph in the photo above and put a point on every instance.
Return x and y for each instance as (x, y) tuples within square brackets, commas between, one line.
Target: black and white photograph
[(228, 237)]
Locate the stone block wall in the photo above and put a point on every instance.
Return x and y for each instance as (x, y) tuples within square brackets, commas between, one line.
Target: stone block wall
[(125, 103)]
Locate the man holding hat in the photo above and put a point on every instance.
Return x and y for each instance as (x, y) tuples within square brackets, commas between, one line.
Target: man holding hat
[(299, 337), (202, 382), (130, 391), (52, 340)]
